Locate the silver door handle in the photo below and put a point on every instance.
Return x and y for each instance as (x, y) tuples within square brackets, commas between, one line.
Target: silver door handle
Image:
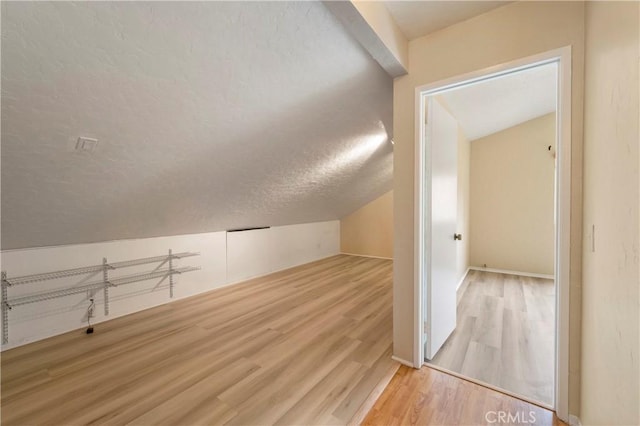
[(457, 237)]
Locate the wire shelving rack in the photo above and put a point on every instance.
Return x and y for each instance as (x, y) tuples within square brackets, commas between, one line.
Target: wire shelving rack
[(103, 284)]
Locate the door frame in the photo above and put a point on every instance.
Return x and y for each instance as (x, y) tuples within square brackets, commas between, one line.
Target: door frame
[(561, 56)]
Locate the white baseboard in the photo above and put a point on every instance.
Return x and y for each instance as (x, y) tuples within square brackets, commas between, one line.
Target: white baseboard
[(574, 420), (462, 286), (265, 275), (290, 246), (506, 271), (462, 279), (403, 361), (366, 255)]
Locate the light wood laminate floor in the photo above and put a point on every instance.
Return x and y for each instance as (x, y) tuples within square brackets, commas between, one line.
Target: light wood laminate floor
[(505, 334), (302, 346), (431, 397)]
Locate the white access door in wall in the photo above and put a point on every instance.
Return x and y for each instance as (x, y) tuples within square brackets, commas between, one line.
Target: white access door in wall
[(441, 185)]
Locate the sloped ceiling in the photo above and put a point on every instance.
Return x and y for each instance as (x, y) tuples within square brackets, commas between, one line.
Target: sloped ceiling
[(209, 116), (499, 103)]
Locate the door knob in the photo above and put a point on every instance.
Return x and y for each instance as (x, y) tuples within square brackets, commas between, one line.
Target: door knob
[(457, 237)]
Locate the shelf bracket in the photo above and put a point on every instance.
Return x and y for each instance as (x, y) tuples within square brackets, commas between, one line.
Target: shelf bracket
[(7, 303), (5, 309), (105, 278)]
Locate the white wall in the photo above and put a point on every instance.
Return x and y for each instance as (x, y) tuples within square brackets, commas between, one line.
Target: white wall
[(610, 288), (512, 198), (274, 248)]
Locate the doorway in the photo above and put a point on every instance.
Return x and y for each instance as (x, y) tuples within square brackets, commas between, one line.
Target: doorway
[(454, 327)]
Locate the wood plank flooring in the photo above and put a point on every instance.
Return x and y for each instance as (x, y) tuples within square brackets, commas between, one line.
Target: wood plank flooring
[(505, 334), (431, 397), (302, 346)]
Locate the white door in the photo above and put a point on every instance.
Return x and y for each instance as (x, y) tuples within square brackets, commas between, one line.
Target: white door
[(441, 167)]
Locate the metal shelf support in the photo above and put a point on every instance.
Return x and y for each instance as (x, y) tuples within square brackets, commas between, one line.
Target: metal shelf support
[(7, 303), (5, 310), (105, 280), (170, 275)]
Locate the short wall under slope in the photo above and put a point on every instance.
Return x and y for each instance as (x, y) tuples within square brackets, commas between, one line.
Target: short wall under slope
[(225, 258)]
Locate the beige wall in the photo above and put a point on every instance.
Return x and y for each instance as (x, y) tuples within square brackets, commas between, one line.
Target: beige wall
[(369, 230), (610, 324), (510, 32), (512, 198)]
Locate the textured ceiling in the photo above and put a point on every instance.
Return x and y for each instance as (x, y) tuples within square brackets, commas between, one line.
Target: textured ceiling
[(499, 103), (419, 18), (209, 116)]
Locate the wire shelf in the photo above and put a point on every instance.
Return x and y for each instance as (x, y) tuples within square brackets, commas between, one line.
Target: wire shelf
[(186, 269), (160, 273), (39, 297), (93, 269), (54, 275), (127, 279), (104, 284), (147, 260), (185, 254)]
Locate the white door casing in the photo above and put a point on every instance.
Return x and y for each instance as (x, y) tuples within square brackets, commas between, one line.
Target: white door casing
[(563, 57)]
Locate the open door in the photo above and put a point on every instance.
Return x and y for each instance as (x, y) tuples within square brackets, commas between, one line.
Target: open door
[(441, 198)]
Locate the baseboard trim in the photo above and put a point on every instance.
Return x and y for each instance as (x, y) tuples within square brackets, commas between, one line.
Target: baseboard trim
[(462, 286), (506, 271), (175, 299), (366, 255), (462, 279), (373, 396), (228, 284), (574, 420), (403, 361)]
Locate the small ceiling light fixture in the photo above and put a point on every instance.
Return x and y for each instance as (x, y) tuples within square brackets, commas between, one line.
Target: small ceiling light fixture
[(86, 144), (392, 142)]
